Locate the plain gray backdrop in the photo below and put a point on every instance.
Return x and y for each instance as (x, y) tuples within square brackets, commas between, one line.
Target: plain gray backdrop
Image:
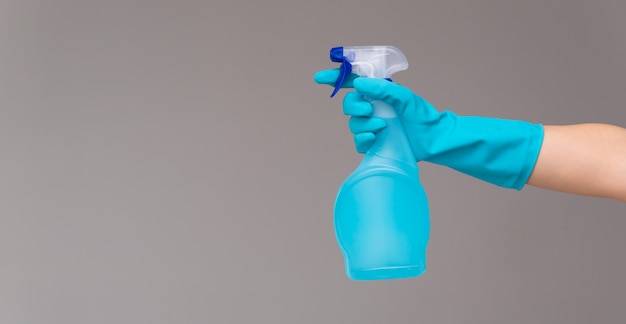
[(174, 162)]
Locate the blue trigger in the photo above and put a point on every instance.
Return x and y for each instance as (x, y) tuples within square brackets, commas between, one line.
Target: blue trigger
[(344, 70)]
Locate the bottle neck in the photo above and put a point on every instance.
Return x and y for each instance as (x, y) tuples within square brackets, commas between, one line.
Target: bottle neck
[(391, 142)]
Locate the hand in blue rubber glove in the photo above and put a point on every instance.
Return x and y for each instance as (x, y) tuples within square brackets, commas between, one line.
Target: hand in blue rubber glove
[(502, 152)]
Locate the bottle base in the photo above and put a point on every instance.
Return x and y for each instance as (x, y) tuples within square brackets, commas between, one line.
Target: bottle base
[(387, 273)]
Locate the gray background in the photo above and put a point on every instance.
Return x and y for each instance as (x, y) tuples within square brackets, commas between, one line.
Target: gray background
[(173, 162)]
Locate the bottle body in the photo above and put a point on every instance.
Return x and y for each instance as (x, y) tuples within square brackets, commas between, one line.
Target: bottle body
[(381, 211)]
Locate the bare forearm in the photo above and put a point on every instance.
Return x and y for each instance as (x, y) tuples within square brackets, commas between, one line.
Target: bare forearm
[(585, 159)]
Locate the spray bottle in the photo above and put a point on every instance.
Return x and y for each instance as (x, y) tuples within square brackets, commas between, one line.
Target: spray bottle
[(381, 211)]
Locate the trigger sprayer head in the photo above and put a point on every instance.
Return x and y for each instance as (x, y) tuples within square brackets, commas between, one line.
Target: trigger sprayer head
[(367, 61)]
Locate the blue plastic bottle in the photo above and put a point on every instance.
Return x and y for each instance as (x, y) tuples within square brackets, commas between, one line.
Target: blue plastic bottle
[(381, 211)]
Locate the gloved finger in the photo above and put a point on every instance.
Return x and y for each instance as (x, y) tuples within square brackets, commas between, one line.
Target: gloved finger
[(392, 93), (359, 125), (364, 141), (355, 105), (330, 77)]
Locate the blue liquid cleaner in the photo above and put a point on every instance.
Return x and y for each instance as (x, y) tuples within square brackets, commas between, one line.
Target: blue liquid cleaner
[(381, 210)]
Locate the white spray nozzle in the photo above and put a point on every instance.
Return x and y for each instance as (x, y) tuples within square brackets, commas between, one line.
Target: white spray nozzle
[(368, 61)]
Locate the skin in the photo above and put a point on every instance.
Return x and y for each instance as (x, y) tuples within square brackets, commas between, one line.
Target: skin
[(584, 159)]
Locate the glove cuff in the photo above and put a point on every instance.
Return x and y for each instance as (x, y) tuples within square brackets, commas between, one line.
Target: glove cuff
[(499, 151)]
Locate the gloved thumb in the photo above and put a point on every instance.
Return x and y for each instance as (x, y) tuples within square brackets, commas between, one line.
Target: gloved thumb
[(391, 93)]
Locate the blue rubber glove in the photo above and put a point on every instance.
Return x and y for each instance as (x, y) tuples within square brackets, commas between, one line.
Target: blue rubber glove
[(499, 151)]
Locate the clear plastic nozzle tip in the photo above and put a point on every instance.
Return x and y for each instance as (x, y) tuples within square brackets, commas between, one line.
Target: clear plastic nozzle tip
[(367, 61)]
